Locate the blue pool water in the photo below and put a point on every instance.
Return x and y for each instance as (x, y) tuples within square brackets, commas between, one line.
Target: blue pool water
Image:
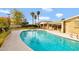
[(40, 40)]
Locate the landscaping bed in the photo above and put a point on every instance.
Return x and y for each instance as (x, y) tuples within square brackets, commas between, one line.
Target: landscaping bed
[(3, 36)]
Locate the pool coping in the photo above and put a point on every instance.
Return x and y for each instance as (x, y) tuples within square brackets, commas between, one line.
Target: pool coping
[(64, 35)]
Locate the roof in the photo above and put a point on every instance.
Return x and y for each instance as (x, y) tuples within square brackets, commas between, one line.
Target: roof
[(42, 22), (50, 22), (59, 22), (71, 18)]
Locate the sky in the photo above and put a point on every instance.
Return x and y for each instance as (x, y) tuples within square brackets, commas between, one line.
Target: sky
[(46, 14)]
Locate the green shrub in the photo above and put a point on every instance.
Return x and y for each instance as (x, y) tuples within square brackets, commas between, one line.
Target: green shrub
[(23, 24), (3, 36)]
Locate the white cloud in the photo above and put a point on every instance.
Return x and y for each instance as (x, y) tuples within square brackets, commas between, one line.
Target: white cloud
[(59, 15), (47, 9), (44, 18), (5, 11)]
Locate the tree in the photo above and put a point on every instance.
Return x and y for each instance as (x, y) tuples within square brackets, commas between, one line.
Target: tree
[(4, 25), (63, 19), (33, 16), (3, 22), (24, 24), (38, 13), (17, 15), (9, 20)]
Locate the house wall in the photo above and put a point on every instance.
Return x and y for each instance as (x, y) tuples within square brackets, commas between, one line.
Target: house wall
[(63, 26), (76, 30), (71, 26)]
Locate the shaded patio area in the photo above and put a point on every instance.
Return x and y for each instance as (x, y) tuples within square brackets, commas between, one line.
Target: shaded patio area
[(51, 25)]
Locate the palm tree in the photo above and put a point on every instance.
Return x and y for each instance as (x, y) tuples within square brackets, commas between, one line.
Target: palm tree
[(32, 14), (63, 19), (38, 13), (35, 17)]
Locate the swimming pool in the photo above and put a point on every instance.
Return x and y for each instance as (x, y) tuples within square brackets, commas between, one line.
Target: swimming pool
[(40, 40)]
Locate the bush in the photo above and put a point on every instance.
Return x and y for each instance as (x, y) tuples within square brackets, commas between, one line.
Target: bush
[(3, 36), (31, 26), (0, 30), (23, 24), (6, 28)]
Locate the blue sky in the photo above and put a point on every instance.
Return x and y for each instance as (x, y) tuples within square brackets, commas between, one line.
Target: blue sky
[(49, 14)]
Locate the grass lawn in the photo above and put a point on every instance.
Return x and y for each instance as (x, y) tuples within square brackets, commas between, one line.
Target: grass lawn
[(3, 37)]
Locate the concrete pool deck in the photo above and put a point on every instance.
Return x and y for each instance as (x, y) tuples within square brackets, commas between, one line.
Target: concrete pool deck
[(14, 43)]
